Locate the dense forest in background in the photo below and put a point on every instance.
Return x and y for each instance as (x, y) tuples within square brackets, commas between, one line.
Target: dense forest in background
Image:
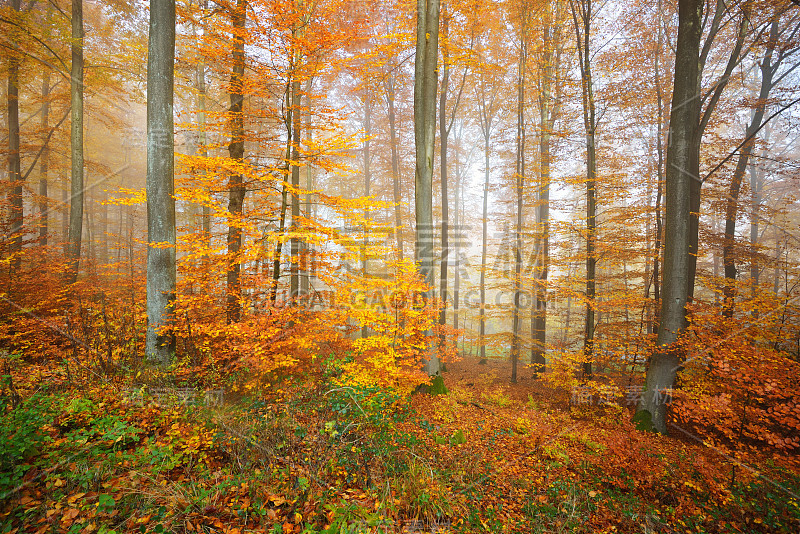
[(238, 235)]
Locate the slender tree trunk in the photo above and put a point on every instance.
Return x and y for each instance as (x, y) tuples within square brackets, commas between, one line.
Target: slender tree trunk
[(547, 116), (76, 91), (425, 81), (484, 239), (457, 226), (732, 203), (104, 227), (306, 252), (161, 273), (520, 189), (756, 188), (582, 28), (276, 263), (444, 132), (397, 198), (294, 269), (65, 219), (681, 170), (236, 150), (367, 180), (14, 165), (201, 127), (704, 117), (45, 159), (653, 325)]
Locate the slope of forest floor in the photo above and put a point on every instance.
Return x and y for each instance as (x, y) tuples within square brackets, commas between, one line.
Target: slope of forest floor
[(310, 454)]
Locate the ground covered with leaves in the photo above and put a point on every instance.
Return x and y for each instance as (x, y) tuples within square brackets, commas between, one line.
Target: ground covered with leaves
[(312, 453)]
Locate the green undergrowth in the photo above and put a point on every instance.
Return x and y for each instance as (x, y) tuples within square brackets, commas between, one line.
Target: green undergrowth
[(319, 455)]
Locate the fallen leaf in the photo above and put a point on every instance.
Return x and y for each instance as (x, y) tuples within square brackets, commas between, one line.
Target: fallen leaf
[(75, 497)]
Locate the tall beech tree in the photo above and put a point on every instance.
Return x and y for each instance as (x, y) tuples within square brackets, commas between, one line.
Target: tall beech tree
[(681, 171), (425, 83), (548, 99), (76, 149), (236, 187), (516, 342), (582, 17), (161, 269), (14, 165)]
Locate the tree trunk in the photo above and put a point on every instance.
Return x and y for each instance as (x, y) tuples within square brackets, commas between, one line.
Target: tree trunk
[(520, 188), (484, 239), (582, 29), (397, 198), (276, 262), (444, 132), (547, 116), (457, 225), (161, 273), (367, 179), (14, 165), (704, 117), (425, 81), (76, 136), (307, 252), (43, 215), (201, 129), (294, 268), (732, 202), (756, 188), (653, 324), (236, 151), (681, 170)]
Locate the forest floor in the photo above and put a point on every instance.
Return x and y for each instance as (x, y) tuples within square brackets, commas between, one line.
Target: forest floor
[(309, 454)]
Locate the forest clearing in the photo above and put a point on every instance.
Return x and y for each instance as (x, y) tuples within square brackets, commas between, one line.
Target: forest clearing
[(375, 266)]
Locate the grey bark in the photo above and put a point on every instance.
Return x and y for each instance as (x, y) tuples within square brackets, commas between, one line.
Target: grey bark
[(161, 273)]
